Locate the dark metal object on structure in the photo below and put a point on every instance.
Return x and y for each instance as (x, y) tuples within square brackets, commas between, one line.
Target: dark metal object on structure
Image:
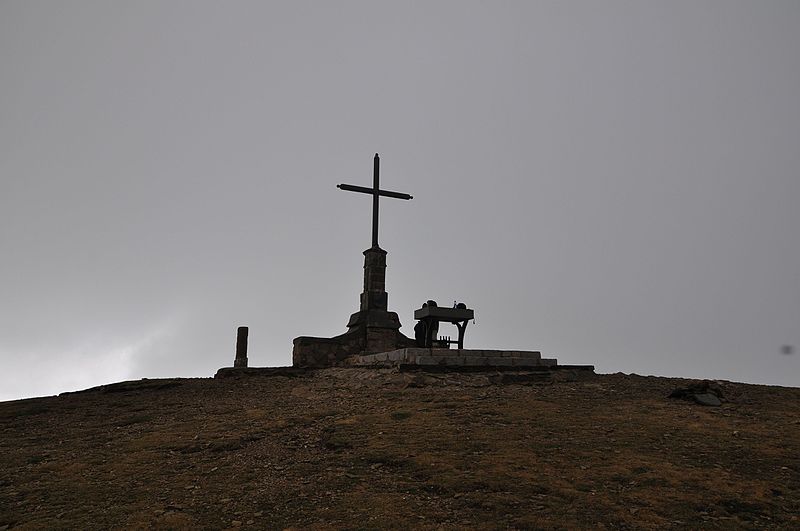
[(431, 316), (364, 190), (376, 192), (241, 347)]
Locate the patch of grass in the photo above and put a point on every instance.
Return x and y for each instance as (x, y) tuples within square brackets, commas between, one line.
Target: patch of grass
[(276, 425), (401, 415), (301, 421), (190, 448), (134, 419), (140, 385), (225, 445), (741, 507), (426, 488), (325, 413), (230, 444), (654, 482), (26, 410), (620, 478), (336, 439), (385, 458), (36, 459)]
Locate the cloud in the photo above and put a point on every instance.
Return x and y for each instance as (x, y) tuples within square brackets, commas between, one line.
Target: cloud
[(95, 360)]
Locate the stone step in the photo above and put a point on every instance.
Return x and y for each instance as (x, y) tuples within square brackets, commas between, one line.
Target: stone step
[(456, 358), (476, 361), (481, 353)]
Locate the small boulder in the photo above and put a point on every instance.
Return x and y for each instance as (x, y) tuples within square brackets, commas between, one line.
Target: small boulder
[(705, 393), (707, 399)]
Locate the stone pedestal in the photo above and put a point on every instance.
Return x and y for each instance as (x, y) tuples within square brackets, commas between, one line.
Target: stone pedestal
[(374, 296), (241, 347), (371, 329), (373, 318)]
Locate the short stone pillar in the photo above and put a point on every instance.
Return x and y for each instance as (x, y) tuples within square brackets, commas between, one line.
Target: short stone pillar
[(241, 347)]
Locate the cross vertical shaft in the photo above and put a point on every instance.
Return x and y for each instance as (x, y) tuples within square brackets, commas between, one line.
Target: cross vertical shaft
[(375, 195)]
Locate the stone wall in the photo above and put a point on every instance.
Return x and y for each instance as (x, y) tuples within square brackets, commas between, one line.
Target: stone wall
[(323, 351), (331, 351)]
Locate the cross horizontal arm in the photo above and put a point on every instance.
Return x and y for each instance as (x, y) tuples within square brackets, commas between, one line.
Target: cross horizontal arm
[(370, 191)]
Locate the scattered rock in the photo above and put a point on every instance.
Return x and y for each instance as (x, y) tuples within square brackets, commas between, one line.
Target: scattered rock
[(707, 399), (564, 376), (705, 393), (524, 378), (422, 380)]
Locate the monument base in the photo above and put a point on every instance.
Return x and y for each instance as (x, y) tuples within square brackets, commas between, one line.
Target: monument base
[(370, 330), (332, 351)]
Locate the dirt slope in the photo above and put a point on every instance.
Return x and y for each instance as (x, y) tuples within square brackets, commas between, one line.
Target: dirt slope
[(372, 449)]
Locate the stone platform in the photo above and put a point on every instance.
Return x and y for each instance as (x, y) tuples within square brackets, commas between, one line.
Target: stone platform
[(442, 357)]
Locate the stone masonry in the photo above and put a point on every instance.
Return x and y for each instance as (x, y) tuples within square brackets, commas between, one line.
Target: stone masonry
[(455, 358), (372, 329)]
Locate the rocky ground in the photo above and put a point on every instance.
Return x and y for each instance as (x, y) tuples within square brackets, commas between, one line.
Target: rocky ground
[(374, 449)]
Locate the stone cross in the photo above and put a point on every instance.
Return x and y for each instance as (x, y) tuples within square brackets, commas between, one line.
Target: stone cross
[(375, 192)]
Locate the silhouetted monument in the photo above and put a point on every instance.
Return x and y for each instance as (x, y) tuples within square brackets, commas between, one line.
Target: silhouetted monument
[(373, 337), (373, 328)]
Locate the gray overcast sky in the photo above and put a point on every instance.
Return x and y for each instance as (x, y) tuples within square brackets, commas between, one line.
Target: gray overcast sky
[(613, 183)]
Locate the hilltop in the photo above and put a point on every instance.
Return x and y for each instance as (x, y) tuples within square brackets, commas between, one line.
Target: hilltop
[(370, 449)]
